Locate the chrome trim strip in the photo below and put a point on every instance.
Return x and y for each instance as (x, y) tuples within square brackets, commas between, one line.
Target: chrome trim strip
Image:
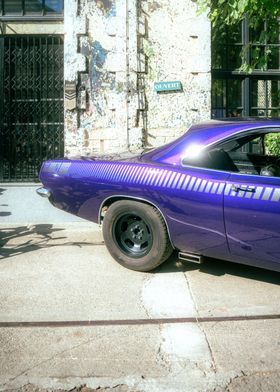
[(138, 199)]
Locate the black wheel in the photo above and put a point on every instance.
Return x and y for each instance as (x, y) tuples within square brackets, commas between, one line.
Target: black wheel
[(136, 235)]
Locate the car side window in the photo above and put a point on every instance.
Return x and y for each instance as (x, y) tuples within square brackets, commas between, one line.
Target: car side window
[(255, 154), (272, 144)]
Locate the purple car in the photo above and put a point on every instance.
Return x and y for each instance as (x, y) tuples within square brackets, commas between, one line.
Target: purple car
[(214, 192)]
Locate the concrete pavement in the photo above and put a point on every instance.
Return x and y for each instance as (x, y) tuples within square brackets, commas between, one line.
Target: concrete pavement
[(20, 204), (52, 272), (66, 275)]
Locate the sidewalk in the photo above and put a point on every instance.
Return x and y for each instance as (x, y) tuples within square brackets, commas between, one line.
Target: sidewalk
[(20, 205)]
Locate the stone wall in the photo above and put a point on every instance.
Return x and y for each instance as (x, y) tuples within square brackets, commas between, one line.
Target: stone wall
[(177, 47), (115, 50)]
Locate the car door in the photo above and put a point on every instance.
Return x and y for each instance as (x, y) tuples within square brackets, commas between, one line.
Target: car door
[(252, 218), (194, 212)]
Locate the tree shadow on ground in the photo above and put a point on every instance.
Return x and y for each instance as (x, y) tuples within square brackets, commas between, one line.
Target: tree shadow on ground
[(32, 238), (44, 236), (220, 268)]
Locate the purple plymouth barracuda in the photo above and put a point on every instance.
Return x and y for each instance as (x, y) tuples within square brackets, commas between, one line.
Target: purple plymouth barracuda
[(213, 192)]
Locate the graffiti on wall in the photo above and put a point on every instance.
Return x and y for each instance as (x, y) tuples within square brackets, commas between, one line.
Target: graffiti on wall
[(108, 7)]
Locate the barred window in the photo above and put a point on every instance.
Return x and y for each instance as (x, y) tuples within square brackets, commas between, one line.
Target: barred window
[(238, 93), (31, 7)]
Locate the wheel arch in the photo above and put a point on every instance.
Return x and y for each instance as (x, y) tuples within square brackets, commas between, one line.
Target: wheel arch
[(112, 199)]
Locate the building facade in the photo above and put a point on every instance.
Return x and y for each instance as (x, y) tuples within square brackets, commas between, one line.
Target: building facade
[(79, 77), (115, 52), (89, 77)]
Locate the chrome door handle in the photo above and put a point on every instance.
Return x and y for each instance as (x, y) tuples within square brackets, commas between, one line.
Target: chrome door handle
[(243, 188)]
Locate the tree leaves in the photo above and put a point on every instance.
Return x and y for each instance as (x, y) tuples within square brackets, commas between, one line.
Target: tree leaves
[(229, 13)]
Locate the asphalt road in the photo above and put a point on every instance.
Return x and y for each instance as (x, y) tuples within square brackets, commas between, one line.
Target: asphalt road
[(71, 316)]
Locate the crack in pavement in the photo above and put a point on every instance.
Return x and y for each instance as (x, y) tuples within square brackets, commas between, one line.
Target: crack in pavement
[(45, 361), (243, 377), (214, 366), (120, 387)]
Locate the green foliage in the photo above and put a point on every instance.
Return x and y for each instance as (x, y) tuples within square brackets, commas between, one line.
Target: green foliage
[(231, 12), (272, 144)]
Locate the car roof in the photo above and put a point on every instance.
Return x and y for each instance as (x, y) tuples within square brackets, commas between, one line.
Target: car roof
[(212, 131), (205, 134)]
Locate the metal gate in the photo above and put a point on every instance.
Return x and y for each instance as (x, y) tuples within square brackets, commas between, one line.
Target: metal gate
[(31, 104)]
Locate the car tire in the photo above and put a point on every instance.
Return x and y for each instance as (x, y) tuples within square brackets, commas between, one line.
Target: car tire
[(136, 235)]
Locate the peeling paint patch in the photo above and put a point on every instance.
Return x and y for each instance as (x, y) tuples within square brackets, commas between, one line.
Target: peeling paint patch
[(108, 7), (100, 79), (153, 6), (99, 55)]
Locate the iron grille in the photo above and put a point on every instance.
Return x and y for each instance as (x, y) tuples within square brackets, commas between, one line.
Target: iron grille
[(238, 93), (31, 104)]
